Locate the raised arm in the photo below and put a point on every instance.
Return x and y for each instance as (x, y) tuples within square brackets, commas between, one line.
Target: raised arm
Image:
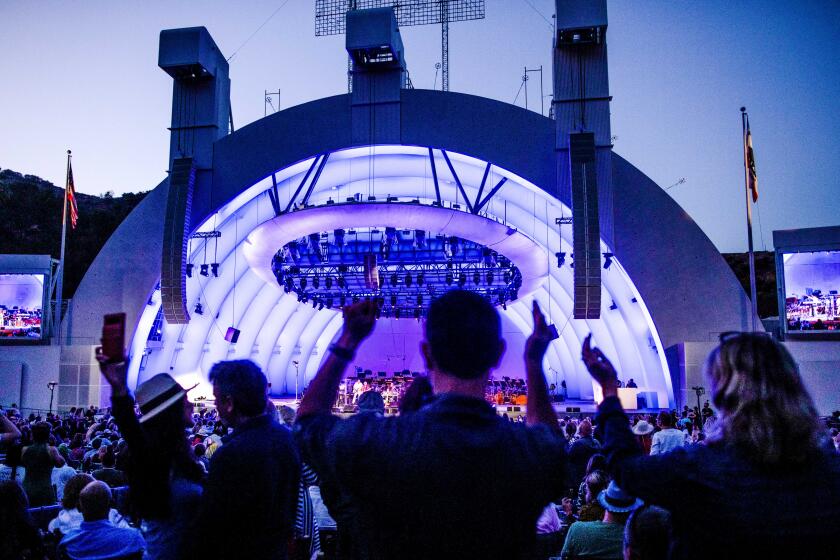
[(122, 405), (8, 431), (359, 320), (540, 410)]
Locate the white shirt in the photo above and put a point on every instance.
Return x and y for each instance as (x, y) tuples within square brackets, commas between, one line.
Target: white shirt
[(667, 440), (70, 519)]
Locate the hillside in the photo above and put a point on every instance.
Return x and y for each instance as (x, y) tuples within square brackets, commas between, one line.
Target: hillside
[(30, 222)]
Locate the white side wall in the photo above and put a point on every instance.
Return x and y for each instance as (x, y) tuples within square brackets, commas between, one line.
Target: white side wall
[(24, 374)]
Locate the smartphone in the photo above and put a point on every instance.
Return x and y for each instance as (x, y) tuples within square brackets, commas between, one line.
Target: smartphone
[(113, 337)]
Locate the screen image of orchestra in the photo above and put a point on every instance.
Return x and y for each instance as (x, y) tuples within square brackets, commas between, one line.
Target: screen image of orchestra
[(21, 301), (812, 291)]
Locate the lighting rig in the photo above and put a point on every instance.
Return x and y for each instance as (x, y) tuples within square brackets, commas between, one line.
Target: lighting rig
[(403, 270)]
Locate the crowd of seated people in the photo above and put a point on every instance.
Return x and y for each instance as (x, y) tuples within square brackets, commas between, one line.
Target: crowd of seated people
[(753, 473)]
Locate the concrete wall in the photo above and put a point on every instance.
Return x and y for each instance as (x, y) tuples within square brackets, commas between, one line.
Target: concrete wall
[(24, 374), (819, 365)]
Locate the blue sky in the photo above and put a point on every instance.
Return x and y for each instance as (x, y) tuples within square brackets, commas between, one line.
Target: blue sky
[(83, 75)]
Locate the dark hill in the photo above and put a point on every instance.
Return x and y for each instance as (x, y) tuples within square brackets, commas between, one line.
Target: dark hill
[(30, 222)]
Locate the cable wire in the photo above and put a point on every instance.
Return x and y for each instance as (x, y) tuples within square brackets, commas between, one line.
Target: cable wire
[(274, 13)]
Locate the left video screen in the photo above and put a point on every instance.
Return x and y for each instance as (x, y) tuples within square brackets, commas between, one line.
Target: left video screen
[(21, 306)]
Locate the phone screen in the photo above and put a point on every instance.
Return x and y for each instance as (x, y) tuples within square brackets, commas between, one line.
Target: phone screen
[(113, 337)]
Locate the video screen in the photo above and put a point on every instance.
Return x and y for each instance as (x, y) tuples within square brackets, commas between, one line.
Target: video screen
[(21, 300), (812, 283)]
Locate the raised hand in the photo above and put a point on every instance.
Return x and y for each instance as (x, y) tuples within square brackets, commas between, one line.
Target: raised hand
[(115, 374), (537, 343), (599, 367), (359, 320)]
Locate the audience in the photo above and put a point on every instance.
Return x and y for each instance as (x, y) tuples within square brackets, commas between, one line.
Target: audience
[(70, 517), (428, 484), (249, 505), (97, 538), (580, 450), (108, 473), (762, 486)]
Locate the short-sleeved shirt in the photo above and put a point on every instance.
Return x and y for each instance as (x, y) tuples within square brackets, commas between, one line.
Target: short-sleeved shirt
[(594, 539), (96, 540), (450, 480)]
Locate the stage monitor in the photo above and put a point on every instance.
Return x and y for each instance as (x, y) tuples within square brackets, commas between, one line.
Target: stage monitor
[(21, 306), (812, 292)]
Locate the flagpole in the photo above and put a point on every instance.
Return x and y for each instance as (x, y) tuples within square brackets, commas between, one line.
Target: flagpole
[(753, 300), (60, 287)]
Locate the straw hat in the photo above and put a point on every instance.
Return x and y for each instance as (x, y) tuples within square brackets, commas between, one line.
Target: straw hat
[(643, 428)]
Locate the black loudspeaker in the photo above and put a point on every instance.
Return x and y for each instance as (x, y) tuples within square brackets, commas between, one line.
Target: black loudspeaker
[(586, 233), (176, 232), (232, 335), (572, 409)]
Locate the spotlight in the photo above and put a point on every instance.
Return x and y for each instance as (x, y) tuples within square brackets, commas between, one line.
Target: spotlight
[(314, 304), (342, 300), (355, 299), (417, 314), (419, 299), (455, 244), (189, 270), (305, 297), (490, 278), (614, 306), (303, 282), (330, 302), (341, 282), (320, 306), (506, 277), (214, 268), (205, 270), (397, 313), (608, 260), (394, 279), (198, 309), (462, 279), (393, 301), (476, 278), (338, 235), (561, 259), (300, 298), (421, 278), (448, 278), (287, 289), (408, 279), (328, 282), (316, 282), (419, 239)]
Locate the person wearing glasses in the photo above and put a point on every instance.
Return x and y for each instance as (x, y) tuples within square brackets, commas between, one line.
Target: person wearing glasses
[(763, 486)]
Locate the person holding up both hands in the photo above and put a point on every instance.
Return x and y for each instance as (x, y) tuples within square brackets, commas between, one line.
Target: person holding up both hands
[(763, 487)]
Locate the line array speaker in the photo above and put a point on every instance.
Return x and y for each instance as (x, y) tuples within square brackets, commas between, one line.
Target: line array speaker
[(586, 234), (173, 289)]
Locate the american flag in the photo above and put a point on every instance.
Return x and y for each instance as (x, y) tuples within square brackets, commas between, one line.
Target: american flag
[(71, 196)]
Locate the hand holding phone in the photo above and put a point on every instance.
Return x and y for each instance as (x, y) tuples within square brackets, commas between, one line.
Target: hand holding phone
[(113, 338)]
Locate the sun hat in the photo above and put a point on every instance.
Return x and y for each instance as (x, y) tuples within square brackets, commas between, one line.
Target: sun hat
[(616, 500), (157, 394), (643, 428)]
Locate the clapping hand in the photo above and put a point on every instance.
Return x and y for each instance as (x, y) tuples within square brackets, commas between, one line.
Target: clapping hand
[(599, 367), (537, 343)]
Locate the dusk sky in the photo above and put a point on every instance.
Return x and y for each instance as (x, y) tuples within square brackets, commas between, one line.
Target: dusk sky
[(83, 75)]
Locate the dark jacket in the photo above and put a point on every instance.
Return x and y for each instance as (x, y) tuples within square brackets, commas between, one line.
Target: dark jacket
[(250, 500), (723, 505), (580, 451), (452, 480)]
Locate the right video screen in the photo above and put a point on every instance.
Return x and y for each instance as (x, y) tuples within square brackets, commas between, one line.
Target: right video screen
[(812, 283)]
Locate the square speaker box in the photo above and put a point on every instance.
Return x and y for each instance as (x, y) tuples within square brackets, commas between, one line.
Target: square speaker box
[(232, 335)]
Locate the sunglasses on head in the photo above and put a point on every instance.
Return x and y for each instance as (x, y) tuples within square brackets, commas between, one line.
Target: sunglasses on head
[(732, 335)]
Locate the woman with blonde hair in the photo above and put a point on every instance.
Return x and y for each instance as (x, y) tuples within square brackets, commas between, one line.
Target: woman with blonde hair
[(763, 486)]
